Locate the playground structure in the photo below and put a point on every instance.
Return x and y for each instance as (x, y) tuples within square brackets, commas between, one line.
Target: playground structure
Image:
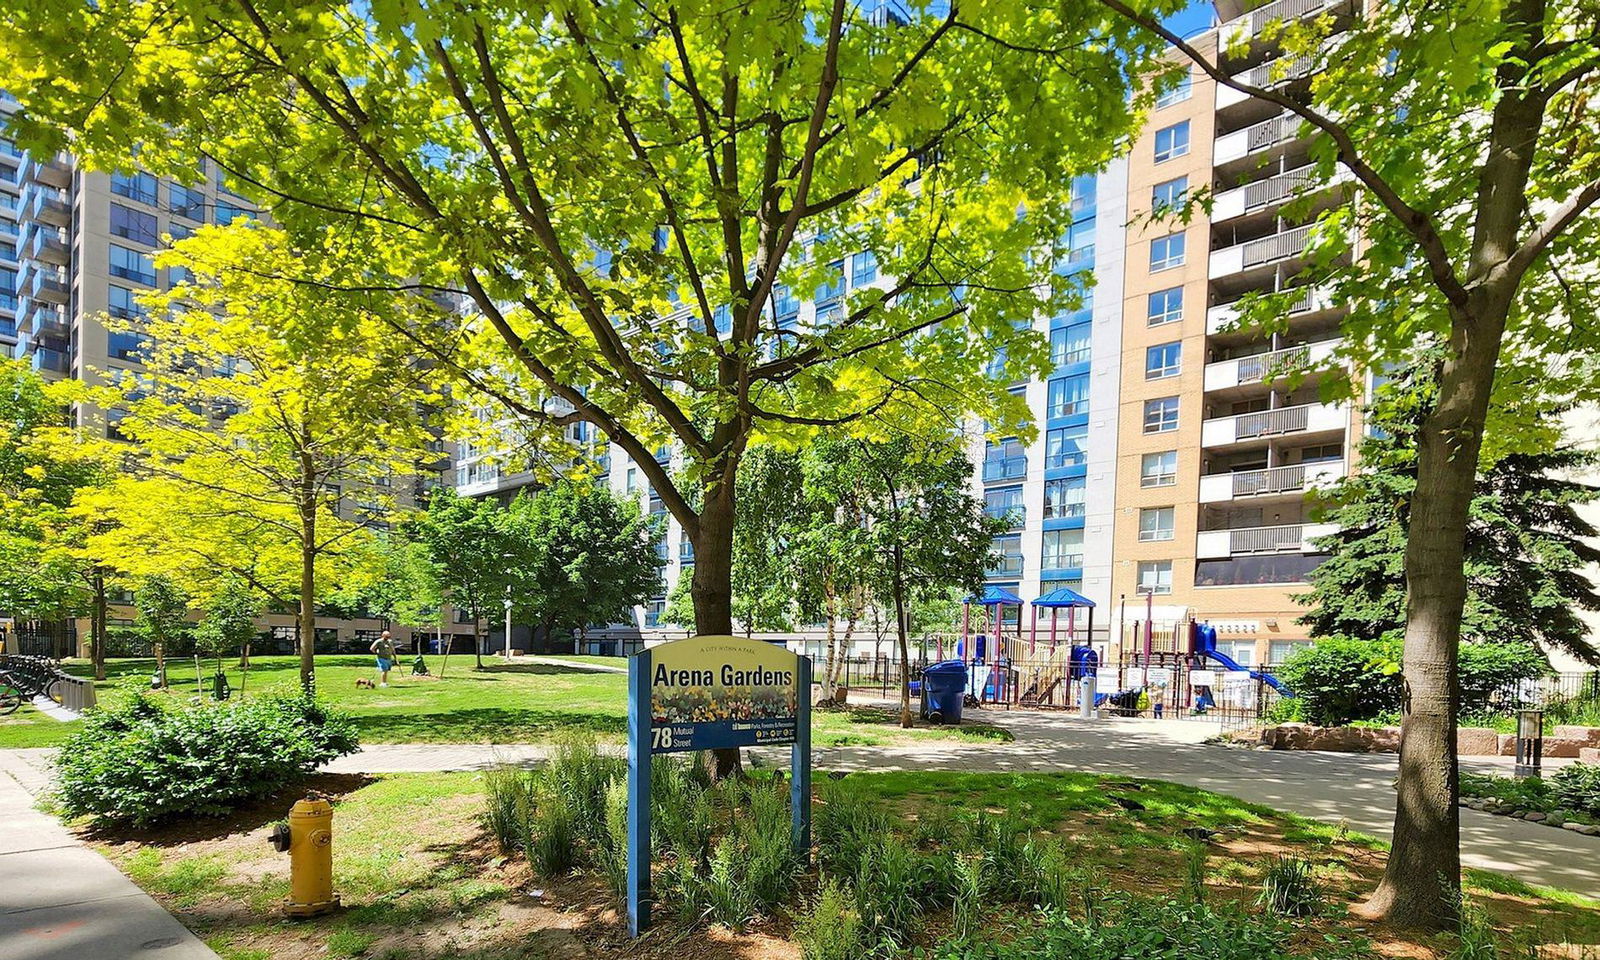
[(1175, 666)]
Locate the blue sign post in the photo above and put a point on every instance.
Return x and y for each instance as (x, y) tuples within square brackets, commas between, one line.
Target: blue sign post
[(712, 693)]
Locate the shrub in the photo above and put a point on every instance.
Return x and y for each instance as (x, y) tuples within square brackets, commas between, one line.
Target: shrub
[(551, 841), (1523, 793), (1340, 680), (728, 899), (508, 801), (768, 866), (972, 887), (577, 775), (890, 889), (615, 854), (846, 826), (1577, 788), (682, 811), (1289, 889), (1133, 927), (1488, 670), (831, 929), (142, 764)]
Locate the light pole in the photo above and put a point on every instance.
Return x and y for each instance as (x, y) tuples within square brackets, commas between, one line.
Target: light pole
[(508, 622)]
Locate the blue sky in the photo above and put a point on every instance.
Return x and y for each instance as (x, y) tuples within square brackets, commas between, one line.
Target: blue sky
[(1197, 16)]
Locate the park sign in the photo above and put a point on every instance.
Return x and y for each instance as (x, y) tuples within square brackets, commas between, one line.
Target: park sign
[(712, 693)]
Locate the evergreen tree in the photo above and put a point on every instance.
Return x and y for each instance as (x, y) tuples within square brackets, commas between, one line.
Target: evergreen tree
[(1525, 550)]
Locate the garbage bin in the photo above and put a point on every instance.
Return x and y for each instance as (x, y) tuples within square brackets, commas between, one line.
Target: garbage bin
[(944, 684)]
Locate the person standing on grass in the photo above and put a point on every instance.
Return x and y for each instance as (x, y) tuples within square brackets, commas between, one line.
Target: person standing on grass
[(383, 647)]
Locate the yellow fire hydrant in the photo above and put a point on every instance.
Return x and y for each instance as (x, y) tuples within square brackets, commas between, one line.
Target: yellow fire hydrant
[(309, 840)]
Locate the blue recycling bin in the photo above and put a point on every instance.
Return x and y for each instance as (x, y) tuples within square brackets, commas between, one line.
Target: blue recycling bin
[(944, 684)]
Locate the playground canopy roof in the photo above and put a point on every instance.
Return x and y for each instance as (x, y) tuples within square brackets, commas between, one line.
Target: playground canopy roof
[(996, 595), (1063, 597)]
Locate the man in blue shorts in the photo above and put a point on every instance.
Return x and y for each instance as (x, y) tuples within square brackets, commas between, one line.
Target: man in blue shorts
[(383, 647)]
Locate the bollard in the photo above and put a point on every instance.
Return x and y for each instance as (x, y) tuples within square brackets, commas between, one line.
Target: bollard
[(1086, 710), (309, 841)]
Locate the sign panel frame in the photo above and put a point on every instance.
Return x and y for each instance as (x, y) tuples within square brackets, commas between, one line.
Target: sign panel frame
[(729, 706)]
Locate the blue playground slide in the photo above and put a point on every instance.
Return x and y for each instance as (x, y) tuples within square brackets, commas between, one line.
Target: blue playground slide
[(1232, 664), (1205, 645)]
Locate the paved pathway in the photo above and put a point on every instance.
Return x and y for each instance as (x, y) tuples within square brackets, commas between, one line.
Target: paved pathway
[(62, 901)]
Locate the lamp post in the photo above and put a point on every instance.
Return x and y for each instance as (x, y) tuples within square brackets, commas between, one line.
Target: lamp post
[(1530, 742), (508, 623)]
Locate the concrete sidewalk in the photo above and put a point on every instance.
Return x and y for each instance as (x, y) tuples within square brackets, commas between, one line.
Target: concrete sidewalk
[(62, 901)]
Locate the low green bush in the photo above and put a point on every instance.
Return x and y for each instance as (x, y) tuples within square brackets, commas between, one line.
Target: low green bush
[(1523, 793), (508, 801), (141, 763), (1147, 929), (831, 929), (1577, 788), (1290, 888)]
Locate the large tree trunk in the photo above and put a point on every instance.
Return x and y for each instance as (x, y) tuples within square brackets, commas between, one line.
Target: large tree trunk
[(712, 585), (1420, 886)]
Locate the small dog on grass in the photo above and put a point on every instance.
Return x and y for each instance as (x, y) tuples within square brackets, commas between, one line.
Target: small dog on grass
[(363, 682)]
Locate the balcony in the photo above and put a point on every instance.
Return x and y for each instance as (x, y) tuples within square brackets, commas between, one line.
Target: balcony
[(1242, 29), (42, 283), (1273, 73), (1015, 515), (51, 173), (1264, 367), (53, 361), (1305, 418), (1223, 316), (45, 243), (1256, 484), (1251, 254), (1054, 510), (46, 204), (1256, 138), (1248, 541), (43, 319), (1004, 468), (1258, 196)]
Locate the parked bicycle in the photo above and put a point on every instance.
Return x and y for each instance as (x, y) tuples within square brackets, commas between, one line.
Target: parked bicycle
[(23, 678)]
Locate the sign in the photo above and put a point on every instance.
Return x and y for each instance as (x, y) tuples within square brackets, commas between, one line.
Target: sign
[(1160, 676), (712, 693), (1202, 678)]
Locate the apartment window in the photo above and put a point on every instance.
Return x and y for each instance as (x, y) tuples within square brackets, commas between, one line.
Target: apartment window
[(1063, 549), (1004, 503), (1178, 93), (1006, 460), (1165, 306), (1279, 651), (1172, 141), (1064, 497), (1163, 360), (1166, 252), (1168, 195), (1155, 576), (187, 203), (229, 212), (135, 186), (122, 303), (832, 286), (1161, 415), (1009, 561), (1069, 396), (1070, 344), (1064, 446), (722, 320), (126, 345), (1321, 453), (863, 268), (135, 225), (1158, 469), (1156, 523), (631, 481), (132, 265)]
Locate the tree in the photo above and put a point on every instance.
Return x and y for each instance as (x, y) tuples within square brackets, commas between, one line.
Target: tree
[(47, 573), (593, 555), (1525, 553), (1476, 201), (924, 530), (636, 196), (395, 581), (163, 615), (229, 624), (266, 407), (475, 550)]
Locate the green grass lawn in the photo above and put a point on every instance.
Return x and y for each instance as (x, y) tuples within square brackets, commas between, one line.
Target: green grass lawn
[(420, 877), (524, 702)]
